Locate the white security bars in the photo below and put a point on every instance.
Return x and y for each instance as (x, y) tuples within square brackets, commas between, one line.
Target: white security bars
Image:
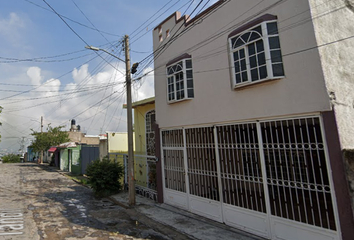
[(276, 165)]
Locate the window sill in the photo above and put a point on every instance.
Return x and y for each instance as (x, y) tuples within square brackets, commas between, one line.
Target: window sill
[(177, 101), (241, 86)]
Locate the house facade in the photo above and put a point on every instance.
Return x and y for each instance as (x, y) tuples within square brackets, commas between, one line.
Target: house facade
[(255, 108), (145, 161)]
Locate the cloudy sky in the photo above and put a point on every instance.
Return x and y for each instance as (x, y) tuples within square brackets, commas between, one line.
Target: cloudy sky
[(46, 70)]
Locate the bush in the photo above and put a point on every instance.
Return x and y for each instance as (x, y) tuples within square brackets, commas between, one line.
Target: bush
[(103, 176), (11, 158)]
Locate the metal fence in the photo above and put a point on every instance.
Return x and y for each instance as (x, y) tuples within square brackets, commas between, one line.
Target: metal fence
[(144, 173)]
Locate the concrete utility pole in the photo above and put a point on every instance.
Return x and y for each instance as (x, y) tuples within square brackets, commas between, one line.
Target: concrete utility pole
[(41, 157), (131, 181)]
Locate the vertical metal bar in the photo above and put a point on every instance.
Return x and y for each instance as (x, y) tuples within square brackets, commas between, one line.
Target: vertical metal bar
[(287, 170), (330, 178), (192, 167), (314, 175), (267, 179), (218, 170), (321, 172), (237, 166), (276, 171), (201, 159), (186, 168), (260, 176), (229, 167), (241, 168), (300, 172), (293, 173), (205, 191), (253, 175), (196, 184), (246, 182), (209, 187), (264, 174), (234, 161), (285, 199), (307, 171)]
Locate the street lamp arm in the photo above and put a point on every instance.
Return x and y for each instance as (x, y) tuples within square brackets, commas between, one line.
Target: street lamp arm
[(100, 49)]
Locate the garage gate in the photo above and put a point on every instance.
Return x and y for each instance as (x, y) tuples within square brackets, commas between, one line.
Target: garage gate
[(270, 178)]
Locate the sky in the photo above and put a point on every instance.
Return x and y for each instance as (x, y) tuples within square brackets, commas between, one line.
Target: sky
[(46, 71)]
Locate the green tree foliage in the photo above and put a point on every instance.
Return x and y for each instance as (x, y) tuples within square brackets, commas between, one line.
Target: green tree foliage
[(11, 158), (104, 177), (53, 137)]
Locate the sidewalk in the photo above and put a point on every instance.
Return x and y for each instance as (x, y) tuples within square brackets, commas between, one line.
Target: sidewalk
[(191, 225)]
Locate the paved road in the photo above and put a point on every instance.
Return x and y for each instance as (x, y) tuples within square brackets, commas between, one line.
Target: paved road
[(37, 202)]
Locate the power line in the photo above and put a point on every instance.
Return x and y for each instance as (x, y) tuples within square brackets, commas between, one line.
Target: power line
[(83, 25), (91, 23)]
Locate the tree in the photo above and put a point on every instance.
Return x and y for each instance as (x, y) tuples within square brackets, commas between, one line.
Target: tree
[(53, 137), (11, 158), (104, 177)]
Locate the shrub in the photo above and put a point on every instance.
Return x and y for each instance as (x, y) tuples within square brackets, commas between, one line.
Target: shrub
[(103, 176), (11, 158)]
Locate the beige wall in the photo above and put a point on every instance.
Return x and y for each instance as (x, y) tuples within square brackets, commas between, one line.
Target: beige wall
[(81, 138), (140, 127), (117, 142), (338, 60), (103, 148), (302, 90)]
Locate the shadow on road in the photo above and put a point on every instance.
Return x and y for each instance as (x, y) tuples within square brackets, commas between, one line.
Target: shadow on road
[(65, 204)]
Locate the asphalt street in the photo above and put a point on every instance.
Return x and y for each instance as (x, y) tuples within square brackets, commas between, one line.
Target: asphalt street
[(38, 202)]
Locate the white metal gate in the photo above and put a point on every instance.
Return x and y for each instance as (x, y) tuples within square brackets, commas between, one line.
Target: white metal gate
[(269, 178)]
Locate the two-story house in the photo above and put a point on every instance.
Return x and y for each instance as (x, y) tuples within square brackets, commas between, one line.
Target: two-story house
[(255, 105)]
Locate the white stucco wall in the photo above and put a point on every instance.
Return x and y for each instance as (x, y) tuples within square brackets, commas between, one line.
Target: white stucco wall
[(334, 24), (302, 90)]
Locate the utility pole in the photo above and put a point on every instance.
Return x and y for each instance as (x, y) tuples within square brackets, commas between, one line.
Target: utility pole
[(41, 157), (131, 179)]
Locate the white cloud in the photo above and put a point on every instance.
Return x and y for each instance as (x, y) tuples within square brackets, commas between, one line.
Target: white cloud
[(34, 73), (10, 28), (86, 98), (144, 88), (80, 74)]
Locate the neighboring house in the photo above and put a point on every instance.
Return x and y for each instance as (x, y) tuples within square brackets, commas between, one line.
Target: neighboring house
[(254, 100), (103, 146), (75, 135), (75, 157), (144, 155), (31, 155)]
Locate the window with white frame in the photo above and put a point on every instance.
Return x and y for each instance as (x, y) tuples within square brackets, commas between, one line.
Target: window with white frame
[(256, 53), (180, 80)]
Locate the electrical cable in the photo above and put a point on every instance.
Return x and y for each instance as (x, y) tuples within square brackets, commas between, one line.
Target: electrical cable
[(83, 25)]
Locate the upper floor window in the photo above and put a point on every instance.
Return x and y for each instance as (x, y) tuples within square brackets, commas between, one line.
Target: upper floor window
[(256, 53), (180, 79)]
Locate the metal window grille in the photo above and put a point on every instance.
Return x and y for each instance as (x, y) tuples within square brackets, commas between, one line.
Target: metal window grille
[(241, 174), (290, 152), (201, 158), (173, 155), (297, 176), (150, 133), (174, 170)]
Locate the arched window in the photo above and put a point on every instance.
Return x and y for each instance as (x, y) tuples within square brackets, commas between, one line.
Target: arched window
[(180, 79), (255, 52)]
